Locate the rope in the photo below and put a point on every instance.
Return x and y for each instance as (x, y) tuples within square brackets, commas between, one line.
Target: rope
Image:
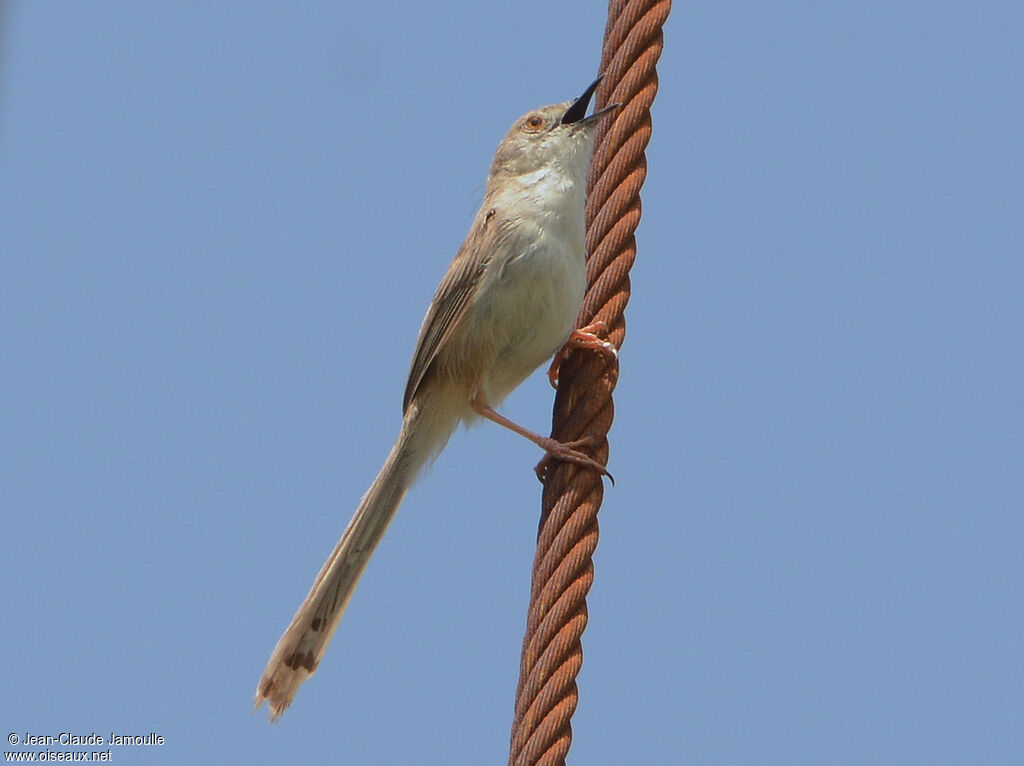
[(563, 568)]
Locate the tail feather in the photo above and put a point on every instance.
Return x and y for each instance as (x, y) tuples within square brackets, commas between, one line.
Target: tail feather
[(299, 650)]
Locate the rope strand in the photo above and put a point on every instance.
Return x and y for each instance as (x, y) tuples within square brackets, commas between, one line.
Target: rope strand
[(563, 568)]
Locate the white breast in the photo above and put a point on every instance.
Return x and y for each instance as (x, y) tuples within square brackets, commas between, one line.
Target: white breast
[(533, 305)]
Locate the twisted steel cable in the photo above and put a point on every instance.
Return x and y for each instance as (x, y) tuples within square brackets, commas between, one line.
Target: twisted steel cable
[(563, 569)]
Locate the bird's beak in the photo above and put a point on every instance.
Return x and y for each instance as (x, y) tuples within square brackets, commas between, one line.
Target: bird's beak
[(576, 112)]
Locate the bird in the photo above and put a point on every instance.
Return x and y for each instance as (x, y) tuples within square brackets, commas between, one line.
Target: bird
[(508, 302)]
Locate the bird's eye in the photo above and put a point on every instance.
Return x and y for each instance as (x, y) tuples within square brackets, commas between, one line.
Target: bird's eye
[(534, 123)]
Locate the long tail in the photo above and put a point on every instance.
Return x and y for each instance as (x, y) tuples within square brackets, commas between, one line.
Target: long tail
[(303, 644)]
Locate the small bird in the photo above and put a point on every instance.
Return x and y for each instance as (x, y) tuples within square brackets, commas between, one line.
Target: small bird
[(507, 303)]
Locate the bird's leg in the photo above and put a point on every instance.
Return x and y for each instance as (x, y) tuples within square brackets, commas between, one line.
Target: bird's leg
[(584, 337), (553, 448)]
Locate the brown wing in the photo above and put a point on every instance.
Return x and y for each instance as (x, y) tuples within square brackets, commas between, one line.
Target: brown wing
[(452, 298)]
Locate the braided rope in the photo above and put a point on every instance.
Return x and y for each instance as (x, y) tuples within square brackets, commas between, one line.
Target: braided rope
[(563, 569)]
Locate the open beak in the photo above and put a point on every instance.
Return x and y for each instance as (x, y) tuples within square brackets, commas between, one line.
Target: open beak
[(578, 110)]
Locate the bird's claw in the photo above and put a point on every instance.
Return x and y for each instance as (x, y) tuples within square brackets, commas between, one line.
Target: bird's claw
[(568, 451), (584, 337)]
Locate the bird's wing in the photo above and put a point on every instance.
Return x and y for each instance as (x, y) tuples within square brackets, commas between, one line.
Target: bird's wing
[(453, 296)]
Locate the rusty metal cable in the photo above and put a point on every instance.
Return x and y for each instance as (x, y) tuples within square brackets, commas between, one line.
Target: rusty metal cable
[(563, 569)]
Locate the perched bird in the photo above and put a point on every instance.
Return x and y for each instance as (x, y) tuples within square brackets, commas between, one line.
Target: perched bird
[(508, 302)]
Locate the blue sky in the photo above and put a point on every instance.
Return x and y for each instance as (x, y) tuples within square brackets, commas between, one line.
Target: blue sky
[(220, 225)]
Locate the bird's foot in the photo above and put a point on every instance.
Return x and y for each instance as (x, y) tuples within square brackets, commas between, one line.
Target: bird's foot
[(556, 450), (584, 337)]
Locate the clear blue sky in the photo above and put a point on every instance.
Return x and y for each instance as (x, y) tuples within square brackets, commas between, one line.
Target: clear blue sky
[(220, 225)]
